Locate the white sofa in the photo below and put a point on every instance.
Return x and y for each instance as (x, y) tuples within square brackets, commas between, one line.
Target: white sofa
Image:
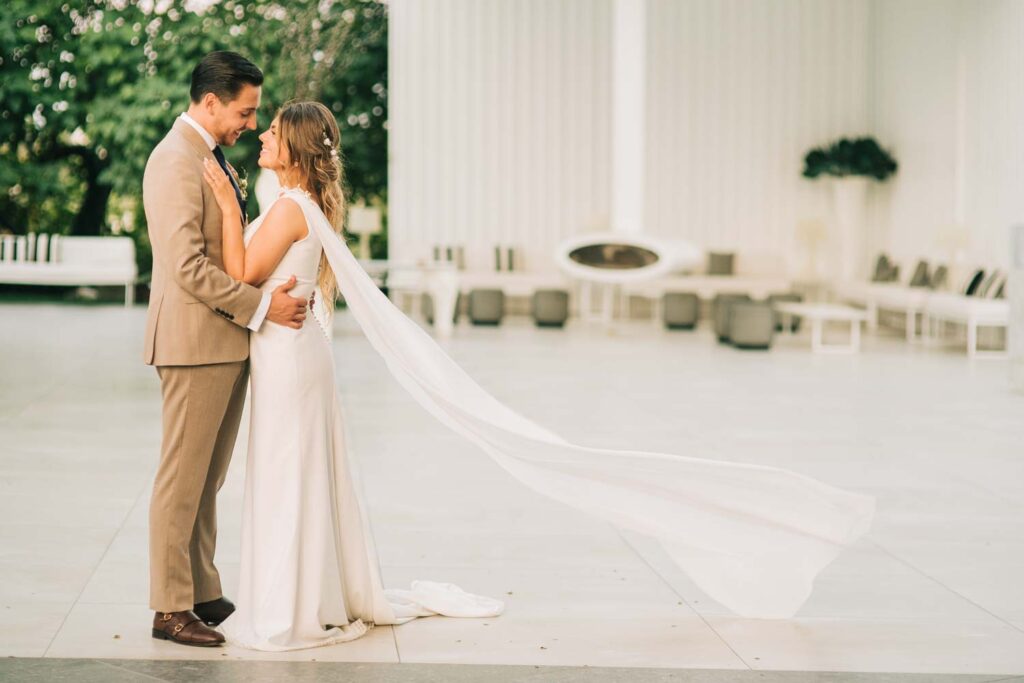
[(933, 306), (38, 260), (888, 296), (970, 311)]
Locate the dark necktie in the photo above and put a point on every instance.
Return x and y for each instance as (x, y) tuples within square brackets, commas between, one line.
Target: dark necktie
[(219, 155)]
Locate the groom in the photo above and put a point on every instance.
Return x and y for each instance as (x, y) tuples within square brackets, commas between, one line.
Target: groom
[(197, 336)]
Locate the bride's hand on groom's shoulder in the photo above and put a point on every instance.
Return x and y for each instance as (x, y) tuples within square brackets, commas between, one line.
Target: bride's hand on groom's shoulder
[(284, 308), (219, 182)]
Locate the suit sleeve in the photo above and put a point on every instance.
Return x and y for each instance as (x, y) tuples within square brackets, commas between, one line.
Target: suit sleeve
[(173, 197)]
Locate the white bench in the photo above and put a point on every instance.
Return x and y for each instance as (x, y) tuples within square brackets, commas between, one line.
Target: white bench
[(38, 260), (933, 306), (970, 311)]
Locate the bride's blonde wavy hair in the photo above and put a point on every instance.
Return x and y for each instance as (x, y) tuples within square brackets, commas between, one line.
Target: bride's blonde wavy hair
[(310, 133)]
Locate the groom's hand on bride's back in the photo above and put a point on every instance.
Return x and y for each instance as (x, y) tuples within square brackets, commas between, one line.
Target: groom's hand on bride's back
[(286, 309)]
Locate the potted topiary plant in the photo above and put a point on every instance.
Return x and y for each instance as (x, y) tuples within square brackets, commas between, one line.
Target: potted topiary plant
[(862, 157), (851, 164)]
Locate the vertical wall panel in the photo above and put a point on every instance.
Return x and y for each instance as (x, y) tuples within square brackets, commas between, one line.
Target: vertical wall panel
[(738, 92), (992, 45), (949, 81), (501, 121), (916, 117), (499, 125)]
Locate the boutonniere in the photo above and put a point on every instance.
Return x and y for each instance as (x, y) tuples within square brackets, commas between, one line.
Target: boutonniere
[(243, 183)]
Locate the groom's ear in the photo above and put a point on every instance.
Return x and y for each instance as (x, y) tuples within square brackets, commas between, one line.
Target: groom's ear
[(210, 102)]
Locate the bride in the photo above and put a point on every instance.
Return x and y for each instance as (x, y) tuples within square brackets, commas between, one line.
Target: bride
[(751, 537), (309, 573)]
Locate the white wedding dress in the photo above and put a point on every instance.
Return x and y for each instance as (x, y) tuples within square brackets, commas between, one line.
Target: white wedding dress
[(309, 571), (752, 537)]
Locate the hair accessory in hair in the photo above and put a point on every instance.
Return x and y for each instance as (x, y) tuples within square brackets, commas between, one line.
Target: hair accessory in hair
[(328, 145)]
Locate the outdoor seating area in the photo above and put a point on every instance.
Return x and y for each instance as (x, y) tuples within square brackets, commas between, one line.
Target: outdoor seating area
[(748, 312)]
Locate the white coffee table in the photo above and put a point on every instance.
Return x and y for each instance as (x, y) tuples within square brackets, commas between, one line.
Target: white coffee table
[(819, 314)]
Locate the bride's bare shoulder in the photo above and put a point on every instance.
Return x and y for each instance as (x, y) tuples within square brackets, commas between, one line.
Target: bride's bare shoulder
[(286, 217)]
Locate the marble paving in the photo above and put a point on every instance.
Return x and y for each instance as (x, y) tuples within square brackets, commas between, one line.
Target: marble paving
[(936, 588)]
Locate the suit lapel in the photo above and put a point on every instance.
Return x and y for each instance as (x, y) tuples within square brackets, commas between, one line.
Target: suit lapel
[(196, 141)]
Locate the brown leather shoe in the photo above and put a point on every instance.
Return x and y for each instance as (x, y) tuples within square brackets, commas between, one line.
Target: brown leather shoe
[(214, 611), (185, 628)]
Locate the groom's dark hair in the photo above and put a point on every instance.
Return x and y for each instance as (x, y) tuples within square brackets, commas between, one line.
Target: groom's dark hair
[(223, 73)]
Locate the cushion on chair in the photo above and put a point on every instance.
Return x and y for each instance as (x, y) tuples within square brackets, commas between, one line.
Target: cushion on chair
[(973, 282), (996, 288), (989, 285), (881, 268), (938, 278), (920, 276), (720, 263)]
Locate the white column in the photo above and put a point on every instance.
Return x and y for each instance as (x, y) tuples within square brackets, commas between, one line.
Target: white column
[(1015, 330), (628, 114)]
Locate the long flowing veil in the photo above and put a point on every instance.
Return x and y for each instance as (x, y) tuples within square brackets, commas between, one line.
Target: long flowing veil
[(751, 537)]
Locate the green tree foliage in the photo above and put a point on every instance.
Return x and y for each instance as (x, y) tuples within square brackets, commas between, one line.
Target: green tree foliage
[(89, 88)]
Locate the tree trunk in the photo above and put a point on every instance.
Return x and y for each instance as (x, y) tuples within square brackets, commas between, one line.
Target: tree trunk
[(92, 215)]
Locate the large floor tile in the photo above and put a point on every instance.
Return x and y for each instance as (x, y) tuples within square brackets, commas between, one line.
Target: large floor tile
[(683, 641), (123, 631), (934, 587), (28, 625), (865, 582), (905, 645)]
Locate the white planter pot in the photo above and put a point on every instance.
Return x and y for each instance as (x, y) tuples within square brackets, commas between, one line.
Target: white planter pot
[(849, 206)]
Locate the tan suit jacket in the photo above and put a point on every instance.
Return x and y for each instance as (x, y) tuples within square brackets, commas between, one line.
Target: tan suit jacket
[(197, 312)]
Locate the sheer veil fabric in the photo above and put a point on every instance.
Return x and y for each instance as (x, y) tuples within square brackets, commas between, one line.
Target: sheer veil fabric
[(751, 537)]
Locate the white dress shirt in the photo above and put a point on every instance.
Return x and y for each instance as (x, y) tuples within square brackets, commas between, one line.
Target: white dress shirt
[(261, 311)]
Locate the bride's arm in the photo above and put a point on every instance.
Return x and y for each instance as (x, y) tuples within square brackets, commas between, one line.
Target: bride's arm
[(283, 225)]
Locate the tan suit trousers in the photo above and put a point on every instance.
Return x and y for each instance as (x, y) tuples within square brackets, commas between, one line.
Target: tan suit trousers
[(202, 408)]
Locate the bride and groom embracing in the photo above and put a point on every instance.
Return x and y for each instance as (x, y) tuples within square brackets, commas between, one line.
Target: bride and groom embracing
[(228, 310)]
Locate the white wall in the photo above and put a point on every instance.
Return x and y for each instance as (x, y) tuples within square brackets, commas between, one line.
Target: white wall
[(499, 123), (500, 119), (739, 91), (949, 101)]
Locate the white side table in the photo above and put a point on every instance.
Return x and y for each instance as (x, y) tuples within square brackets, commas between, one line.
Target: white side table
[(819, 314)]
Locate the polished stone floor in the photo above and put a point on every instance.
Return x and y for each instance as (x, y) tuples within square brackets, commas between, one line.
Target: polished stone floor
[(936, 587), (49, 670)]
